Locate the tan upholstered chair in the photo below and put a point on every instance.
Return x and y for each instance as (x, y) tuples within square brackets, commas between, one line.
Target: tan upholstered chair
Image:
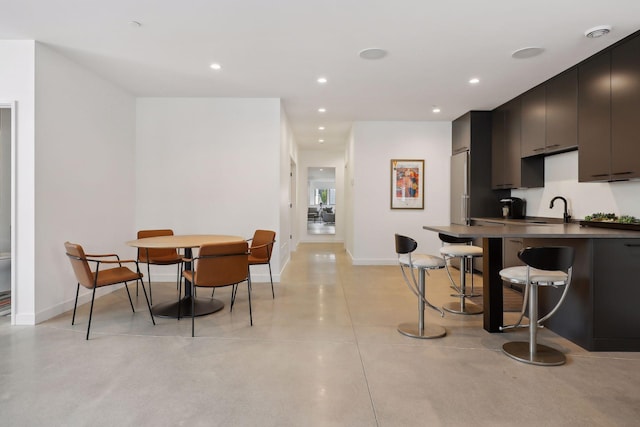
[(158, 256), (261, 250), (101, 278), (218, 265)]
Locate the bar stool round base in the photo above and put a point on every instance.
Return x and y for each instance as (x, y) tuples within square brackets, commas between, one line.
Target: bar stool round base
[(546, 356), (469, 308), (429, 331)]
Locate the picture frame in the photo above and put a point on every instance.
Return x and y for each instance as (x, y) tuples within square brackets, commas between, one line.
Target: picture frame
[(407, 184)]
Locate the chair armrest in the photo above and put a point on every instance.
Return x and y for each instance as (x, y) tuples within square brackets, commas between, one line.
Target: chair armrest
[(262, 246), (113, 261), (101, 255)]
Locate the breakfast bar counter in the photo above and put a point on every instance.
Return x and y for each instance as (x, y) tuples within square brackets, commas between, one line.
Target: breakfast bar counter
[(600, 311)]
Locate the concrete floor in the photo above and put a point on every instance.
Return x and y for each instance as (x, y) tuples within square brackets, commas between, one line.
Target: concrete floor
[(325, 352)]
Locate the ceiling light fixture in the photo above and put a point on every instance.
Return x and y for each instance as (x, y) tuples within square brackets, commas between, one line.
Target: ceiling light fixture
[(474, 81), (322, 110), (436, 110), (321, 141), (599, 31), (320, 127), (216, 66), (322, 80), (527, 52), (372, 53)]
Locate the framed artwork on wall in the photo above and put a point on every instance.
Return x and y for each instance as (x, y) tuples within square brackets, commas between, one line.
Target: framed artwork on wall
[(407, 184)]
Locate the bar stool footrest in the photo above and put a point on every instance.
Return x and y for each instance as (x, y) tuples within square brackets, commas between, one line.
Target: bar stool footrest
[(545, 356)]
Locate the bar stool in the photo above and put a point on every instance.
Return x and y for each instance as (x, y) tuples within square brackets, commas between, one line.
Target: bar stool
[(405, 246), (545, 266), (457, 247)]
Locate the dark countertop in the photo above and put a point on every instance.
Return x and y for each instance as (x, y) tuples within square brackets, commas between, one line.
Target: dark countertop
[(522, 228)]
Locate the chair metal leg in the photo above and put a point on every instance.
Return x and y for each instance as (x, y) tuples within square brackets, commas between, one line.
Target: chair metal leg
[(273, 295), (420, 330), (149, 280), (147, 299), (249, 292), (75, 305), (193, 314), (129, 295), (93, 297), (531, 352)]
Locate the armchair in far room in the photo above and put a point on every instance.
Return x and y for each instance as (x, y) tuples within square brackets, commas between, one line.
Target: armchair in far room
[(312, 214), (328, 217)]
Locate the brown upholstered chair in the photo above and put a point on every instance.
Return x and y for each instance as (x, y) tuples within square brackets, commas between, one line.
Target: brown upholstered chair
[(101, 278), (261, 250), (158, 256), (218, 265)]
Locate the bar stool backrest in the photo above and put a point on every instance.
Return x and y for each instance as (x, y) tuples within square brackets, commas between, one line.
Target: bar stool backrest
[(454, 240), (548, 257), (405, 245)]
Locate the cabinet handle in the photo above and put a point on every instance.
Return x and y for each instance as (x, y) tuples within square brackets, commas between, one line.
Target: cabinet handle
[(600, 174), (538, 149), (553, 146), (622, 173), (515, 241), (632, 245)]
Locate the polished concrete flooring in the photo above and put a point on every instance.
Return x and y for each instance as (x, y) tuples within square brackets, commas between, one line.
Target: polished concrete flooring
[(325, 352)]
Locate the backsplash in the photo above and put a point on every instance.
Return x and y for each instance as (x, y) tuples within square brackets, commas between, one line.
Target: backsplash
[(561, 179)]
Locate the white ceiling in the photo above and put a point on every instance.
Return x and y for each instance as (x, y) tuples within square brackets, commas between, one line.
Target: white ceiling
[(278, 48)]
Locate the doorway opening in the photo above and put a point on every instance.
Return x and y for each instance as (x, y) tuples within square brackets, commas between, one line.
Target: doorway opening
[(6, 206), (321, 200)]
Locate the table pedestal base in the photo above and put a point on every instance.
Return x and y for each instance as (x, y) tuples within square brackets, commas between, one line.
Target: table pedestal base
[(203, 306)]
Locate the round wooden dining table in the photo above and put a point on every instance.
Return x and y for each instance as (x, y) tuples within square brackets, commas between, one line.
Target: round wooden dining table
[(182, 308)]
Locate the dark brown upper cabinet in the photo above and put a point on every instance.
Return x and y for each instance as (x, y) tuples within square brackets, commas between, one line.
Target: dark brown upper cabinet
[(609, 114), (508, 168), (625, 110), (594, 119), (562, 112), (534, 121), (461, 134)]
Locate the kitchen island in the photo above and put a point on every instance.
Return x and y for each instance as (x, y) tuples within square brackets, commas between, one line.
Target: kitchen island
[(600, 312)]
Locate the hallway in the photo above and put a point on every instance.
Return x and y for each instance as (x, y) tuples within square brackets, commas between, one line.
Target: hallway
[(324, 352)]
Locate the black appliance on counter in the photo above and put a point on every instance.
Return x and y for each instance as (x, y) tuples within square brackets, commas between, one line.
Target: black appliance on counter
[(513, 208)]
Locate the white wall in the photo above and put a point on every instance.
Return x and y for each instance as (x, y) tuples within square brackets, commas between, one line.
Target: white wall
[(374, 222), (584, 198), (209, 165), (288, 154), (17, 83), (315, 158), (84, 164)]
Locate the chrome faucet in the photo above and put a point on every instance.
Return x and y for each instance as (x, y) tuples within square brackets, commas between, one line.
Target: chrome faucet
[(566, 215)]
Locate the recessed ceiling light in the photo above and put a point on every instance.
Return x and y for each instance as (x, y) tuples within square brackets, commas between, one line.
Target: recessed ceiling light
[(436, 110), (321, 141), (320, 127), (474, 81), (599, 31), (322, 110), (322, 80), (372, 53), (527, 52), (135, 24), (216, 66)]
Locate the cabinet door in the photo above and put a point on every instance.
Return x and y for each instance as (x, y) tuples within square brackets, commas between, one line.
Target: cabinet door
[(512, 144), (615, 288), (533, 122), (625, 110), (594, 120), (497, 148), (510, 248), (562, 111), (461, 134)]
